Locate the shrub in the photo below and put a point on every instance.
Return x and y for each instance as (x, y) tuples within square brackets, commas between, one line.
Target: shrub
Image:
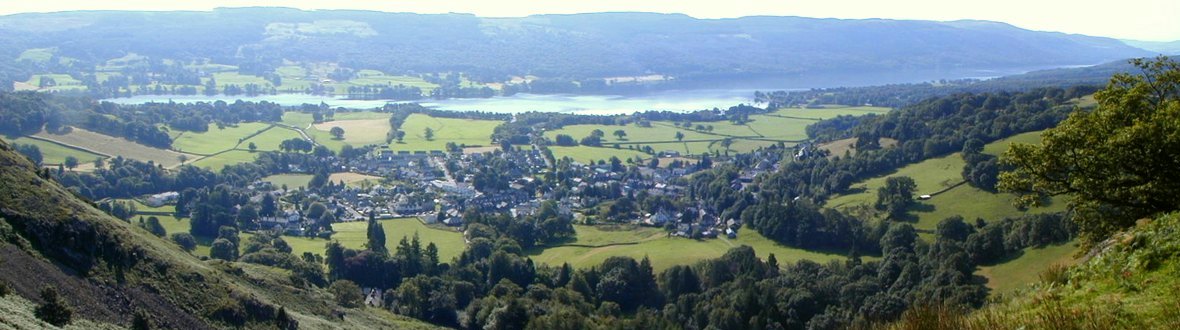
[(347, 293), (54, 310)]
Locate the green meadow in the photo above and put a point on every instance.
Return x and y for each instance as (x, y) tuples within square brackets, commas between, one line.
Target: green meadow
[(353, 235), (585, 155)]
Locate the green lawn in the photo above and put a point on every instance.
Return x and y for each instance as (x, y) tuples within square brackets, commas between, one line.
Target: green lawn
[(585, 155), (779, 128), (1026, 268), (291, 180), (53, 153), (216, 139), (352, 235), (460, 131), (664, 252), (215, 163)]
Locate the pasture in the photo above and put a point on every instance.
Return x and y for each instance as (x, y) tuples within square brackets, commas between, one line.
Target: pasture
[(468, 132), (233, 78), (53, 153), (114, 146), (594, 245), (216, 139), (55, 83)]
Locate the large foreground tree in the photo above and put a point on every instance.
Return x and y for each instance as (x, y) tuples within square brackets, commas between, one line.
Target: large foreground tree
[(1117, 163)]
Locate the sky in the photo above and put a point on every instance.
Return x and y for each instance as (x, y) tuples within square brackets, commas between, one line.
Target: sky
[(1148, 20)]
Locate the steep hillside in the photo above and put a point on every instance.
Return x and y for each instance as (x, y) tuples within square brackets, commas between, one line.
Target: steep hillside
[(108, 270), (579, 46), (1129, 281)]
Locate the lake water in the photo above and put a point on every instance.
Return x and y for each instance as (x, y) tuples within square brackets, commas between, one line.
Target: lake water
[(678, 100)]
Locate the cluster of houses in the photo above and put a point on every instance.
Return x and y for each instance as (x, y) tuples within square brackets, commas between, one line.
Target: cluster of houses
[(421, 185)]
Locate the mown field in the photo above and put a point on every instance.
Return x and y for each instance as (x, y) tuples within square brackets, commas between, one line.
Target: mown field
[(664, 252), (460, 131), (830, 111), (115, 146), (53, 153)]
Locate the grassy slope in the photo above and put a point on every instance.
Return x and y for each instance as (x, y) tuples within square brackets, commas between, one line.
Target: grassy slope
[(291, 180), (939, 173), (215, 163), (52, 238), (1133, 283), (1014, 274)]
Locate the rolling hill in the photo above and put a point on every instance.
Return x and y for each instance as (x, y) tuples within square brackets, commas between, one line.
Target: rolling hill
[(563, 46), (108, 270)]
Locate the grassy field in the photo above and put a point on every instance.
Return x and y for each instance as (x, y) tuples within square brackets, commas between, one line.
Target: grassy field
[(460, 131), (270, 139), (36, 55), (292, 181), (999, 147), (233, 78), (357, 132), (61, 83), (374, 77), (216, 139), (585, 155), (830, 111), (352, 235), (215, 163), (352, 178), (664, 252), (53, 153), (1021, 271), (115, 146), (635, 134), (936, 174)]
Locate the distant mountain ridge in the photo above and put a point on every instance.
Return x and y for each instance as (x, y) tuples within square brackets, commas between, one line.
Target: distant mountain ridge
[(569, 46)]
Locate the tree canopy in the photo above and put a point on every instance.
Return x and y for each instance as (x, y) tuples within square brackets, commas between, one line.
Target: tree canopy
[(1118, 163)]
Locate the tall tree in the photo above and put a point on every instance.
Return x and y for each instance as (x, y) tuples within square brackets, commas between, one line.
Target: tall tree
[(1117, 163), (337, 132)]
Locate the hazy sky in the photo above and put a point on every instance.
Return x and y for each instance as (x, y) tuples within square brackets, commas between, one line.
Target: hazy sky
[(1154, 20)]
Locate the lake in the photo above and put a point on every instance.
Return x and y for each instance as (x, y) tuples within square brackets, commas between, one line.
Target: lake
[(675, 100)]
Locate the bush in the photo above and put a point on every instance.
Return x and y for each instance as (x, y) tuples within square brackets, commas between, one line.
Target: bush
[(186, 241), (347, 293), (54, 310)]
